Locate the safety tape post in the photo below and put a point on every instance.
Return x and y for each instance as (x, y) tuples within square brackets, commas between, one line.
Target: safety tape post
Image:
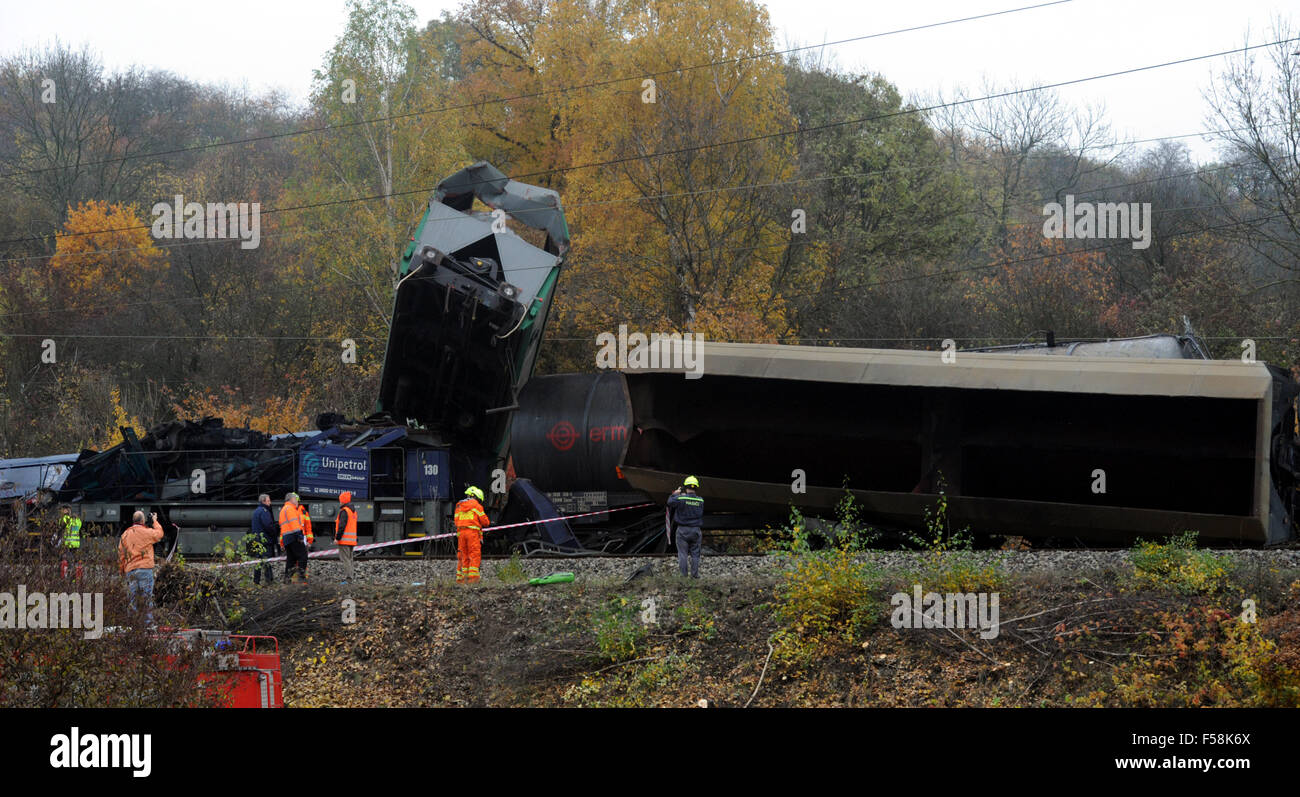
[(372, 545)]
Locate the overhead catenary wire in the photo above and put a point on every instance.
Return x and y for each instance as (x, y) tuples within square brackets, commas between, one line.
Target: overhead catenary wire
[(775, 245), (940, 274), (1016, 261), (312, 229), (731, 142)]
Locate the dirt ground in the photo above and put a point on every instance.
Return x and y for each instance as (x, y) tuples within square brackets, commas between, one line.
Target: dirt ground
[(663, 641)]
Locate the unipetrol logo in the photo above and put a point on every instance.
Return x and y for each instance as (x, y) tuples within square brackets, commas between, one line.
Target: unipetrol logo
[(314, 466), (562, 436)]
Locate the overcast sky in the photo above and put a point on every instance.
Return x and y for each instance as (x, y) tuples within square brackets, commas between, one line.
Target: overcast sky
[(277, 43)]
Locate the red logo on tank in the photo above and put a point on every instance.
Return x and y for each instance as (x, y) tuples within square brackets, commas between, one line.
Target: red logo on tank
[(562, 436)]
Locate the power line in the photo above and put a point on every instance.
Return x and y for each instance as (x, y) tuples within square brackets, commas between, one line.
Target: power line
[(787, 244), (745, 140), (675, 195), (531, 95), (841, 289), (950, 272)]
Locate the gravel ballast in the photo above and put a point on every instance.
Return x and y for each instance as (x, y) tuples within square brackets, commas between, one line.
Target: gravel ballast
[(602, 568)]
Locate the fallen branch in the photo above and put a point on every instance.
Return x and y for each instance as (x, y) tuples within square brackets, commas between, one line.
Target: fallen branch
[(1054, 609), (761, 674), (969, 645), (621, 663)]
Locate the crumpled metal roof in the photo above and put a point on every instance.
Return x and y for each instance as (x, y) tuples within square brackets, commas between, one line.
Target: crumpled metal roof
[(979, 370)]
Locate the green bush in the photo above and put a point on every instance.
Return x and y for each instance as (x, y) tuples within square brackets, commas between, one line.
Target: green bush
[(824, 599), (1178, 566), (512, 572), (618, 630), (694, 617)]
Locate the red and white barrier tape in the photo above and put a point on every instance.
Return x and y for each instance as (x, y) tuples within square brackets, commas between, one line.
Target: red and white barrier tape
[(373, 545)]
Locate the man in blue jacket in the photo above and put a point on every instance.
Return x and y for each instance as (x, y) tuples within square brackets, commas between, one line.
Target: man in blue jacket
[(266, 533), (687, 511)]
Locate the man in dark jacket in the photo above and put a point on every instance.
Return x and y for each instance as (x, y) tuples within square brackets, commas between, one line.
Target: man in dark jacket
[(687, 511), (266, 533)]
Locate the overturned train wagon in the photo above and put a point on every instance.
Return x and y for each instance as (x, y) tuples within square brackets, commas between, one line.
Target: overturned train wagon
[(1102, 449)]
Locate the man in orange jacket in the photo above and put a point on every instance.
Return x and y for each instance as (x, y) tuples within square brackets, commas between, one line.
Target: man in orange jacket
[(470, 520), (135, 558), (293, 537), (345, 533)]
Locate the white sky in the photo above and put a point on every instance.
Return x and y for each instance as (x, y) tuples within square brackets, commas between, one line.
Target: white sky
[(277, 43)]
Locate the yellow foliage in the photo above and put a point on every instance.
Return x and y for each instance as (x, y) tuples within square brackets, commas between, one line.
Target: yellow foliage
[(105, 254), (278, 414), (112, 434)]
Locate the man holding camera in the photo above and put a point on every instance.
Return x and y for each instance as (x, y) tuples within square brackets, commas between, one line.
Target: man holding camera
[(135, 557)]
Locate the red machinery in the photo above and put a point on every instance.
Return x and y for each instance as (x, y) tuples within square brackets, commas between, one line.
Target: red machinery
[(240, 670)]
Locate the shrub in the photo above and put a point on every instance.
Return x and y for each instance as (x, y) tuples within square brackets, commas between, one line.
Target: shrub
[(694, 617), (642, 686), (824, 599), (512, 572), (1177, 565), (618, 630), (120, 664), (1209, 657), (949, 564)]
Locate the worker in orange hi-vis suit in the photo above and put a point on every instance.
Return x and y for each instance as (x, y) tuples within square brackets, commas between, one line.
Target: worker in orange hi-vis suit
[(470, 520)]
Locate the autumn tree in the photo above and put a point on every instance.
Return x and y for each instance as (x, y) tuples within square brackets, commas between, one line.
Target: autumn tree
[(1036, 284), (79, 133), (676, 222), (1019, 147), (877, 206), (362, 186)]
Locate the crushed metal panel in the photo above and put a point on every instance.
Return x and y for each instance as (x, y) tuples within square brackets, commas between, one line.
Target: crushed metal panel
[(469, 311)]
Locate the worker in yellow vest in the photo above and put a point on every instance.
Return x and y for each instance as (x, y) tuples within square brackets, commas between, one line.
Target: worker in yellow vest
[(71, 541), (293, 538), (470, 520), (345, 533)]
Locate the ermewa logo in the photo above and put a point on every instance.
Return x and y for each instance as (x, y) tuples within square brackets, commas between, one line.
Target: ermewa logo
[(102, 750), (83, 610)]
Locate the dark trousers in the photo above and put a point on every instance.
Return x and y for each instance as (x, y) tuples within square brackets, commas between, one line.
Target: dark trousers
[(268, 545), (688, 548), (295, 551)]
